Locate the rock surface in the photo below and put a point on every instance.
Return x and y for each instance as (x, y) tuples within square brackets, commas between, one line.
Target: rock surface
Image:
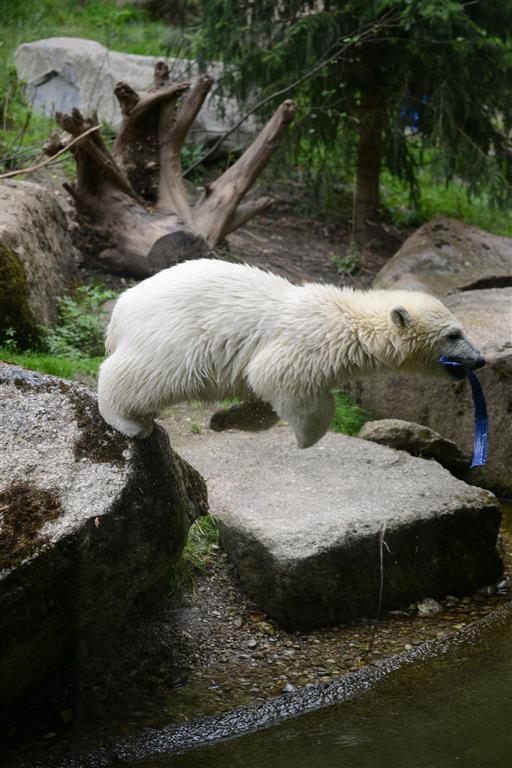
[(37, 259), (448, 407), (418, 441), (445, 256), (68, 72), (303, 527), (89, 520)]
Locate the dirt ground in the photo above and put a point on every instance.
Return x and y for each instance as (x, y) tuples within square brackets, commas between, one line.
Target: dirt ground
[(287, 239)]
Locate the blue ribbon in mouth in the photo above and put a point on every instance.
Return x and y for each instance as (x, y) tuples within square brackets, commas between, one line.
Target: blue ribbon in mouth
[(481, 421)]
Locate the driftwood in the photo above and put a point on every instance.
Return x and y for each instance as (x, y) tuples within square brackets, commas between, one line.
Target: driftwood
[(132, 203)]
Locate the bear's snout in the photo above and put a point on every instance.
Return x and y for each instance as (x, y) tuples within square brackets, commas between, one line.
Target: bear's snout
[(480, 362)]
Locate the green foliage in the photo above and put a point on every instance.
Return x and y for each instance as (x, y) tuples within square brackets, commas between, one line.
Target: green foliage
[(437, 74), (123, 27), (80, 329), (74, 345), (197, 556), (347, 264), (65, 367), (449, 199), (349, 417)]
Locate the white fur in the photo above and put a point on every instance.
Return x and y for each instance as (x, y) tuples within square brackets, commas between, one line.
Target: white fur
[(208, 330)]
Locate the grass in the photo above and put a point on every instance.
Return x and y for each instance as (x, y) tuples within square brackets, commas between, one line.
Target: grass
[(349, 417), (119, 27), (439, 199), (56, 365), (197, 557)]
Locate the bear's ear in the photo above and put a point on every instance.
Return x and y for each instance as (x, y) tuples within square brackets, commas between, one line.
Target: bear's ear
[(401, 317)]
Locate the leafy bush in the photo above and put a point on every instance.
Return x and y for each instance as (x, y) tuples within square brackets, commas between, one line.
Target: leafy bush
[(75, 344), (80, 329), (349, 417)]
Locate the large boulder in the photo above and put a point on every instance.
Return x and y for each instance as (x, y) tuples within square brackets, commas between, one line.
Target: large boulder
[(445, 256), (68, 72), (303, 527), (88, 521), (447, 407), (37, 259)]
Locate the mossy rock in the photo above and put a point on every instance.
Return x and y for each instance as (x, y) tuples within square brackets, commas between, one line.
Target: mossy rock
[(15, 311)]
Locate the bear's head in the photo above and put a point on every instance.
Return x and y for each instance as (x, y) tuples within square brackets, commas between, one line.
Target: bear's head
[(426, 330)]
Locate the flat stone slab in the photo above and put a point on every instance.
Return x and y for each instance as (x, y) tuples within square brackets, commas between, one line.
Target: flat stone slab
[(303, 527)]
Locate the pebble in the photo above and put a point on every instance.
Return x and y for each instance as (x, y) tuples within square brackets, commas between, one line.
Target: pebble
[(252, 643), (289, 688), (429, 607)]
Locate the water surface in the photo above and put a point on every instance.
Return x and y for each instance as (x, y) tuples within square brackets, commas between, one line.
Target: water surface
[(449, 712)]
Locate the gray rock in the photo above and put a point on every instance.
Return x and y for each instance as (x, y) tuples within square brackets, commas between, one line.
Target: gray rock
[(37, 259), (68, 72), (417, 440), (445, 256), (448, 407), (303, 527), (429, 607), (88, 521)]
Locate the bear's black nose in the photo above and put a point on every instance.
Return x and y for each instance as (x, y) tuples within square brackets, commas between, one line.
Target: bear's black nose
[(479, 363)]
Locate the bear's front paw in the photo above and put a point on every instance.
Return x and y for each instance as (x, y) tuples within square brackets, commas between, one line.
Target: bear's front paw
[(218, 421)]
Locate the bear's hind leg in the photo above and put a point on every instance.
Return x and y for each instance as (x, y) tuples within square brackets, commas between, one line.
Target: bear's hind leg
[(249, 416), (130, 427), (115, 402)]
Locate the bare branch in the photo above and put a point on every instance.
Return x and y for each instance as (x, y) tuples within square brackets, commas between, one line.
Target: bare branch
[(53, 157), (161, 76), (74, 124), (127, 97), (188, 111), (167, 93), (245, 212), (172, 195), (219, 206)]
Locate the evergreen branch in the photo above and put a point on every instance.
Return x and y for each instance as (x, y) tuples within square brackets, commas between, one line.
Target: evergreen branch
[(361, 34)]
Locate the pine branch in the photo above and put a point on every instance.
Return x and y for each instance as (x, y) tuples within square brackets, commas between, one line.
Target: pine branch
[(363, 33)]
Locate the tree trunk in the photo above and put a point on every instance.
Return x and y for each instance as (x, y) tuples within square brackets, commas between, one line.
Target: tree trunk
[(132, 205), (369, 155)]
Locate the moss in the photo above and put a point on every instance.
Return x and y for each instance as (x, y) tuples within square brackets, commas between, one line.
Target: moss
[(24, 509), (96, 442), (15, 309)]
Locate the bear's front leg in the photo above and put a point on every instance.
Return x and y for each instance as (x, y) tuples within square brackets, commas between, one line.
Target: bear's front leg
[(250, 416), (310, 420)]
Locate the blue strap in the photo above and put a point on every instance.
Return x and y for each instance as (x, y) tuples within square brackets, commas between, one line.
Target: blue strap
[(481, 421)]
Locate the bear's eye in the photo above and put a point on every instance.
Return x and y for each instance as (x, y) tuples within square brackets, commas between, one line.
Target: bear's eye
[(454, 336)]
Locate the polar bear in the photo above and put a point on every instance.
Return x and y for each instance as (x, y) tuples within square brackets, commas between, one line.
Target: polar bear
[(208, 330)]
